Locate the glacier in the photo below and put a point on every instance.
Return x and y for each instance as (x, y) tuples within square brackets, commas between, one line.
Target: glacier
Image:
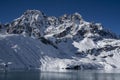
[(37, 41)]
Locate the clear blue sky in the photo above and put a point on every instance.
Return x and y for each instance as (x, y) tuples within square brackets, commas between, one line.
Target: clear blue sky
[(106, 12)]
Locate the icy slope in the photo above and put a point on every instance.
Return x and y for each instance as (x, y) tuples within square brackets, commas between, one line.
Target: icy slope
[(24, 52), (19, 52), (36, 40)]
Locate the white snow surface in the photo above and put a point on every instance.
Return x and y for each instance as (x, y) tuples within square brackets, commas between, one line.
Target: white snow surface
[(85, 44)]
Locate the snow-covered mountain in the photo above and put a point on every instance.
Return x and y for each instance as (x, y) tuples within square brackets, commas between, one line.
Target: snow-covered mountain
[(38, 41)]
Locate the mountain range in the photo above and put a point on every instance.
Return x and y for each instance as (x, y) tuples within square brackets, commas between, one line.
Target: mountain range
[(37, 41)]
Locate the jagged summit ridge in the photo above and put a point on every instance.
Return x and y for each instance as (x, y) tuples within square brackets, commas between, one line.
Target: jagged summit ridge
[(35, 22)]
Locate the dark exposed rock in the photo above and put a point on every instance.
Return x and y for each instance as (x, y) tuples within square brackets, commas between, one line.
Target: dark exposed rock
[(45, 41), (87, 66)]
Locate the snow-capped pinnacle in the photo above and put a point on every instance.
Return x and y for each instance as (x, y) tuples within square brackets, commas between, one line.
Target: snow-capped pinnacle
[(31, 17), (32, 22), (77, 15), (33, 12), (37, 15)]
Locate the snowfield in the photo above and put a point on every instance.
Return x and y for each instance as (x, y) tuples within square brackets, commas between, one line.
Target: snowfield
[(36, 41)]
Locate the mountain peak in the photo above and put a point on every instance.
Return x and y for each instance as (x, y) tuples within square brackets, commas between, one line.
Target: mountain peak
[(77, 16), (33, 12)]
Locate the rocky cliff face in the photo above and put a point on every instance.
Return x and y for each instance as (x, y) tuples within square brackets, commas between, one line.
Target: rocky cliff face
[(35, 40)]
